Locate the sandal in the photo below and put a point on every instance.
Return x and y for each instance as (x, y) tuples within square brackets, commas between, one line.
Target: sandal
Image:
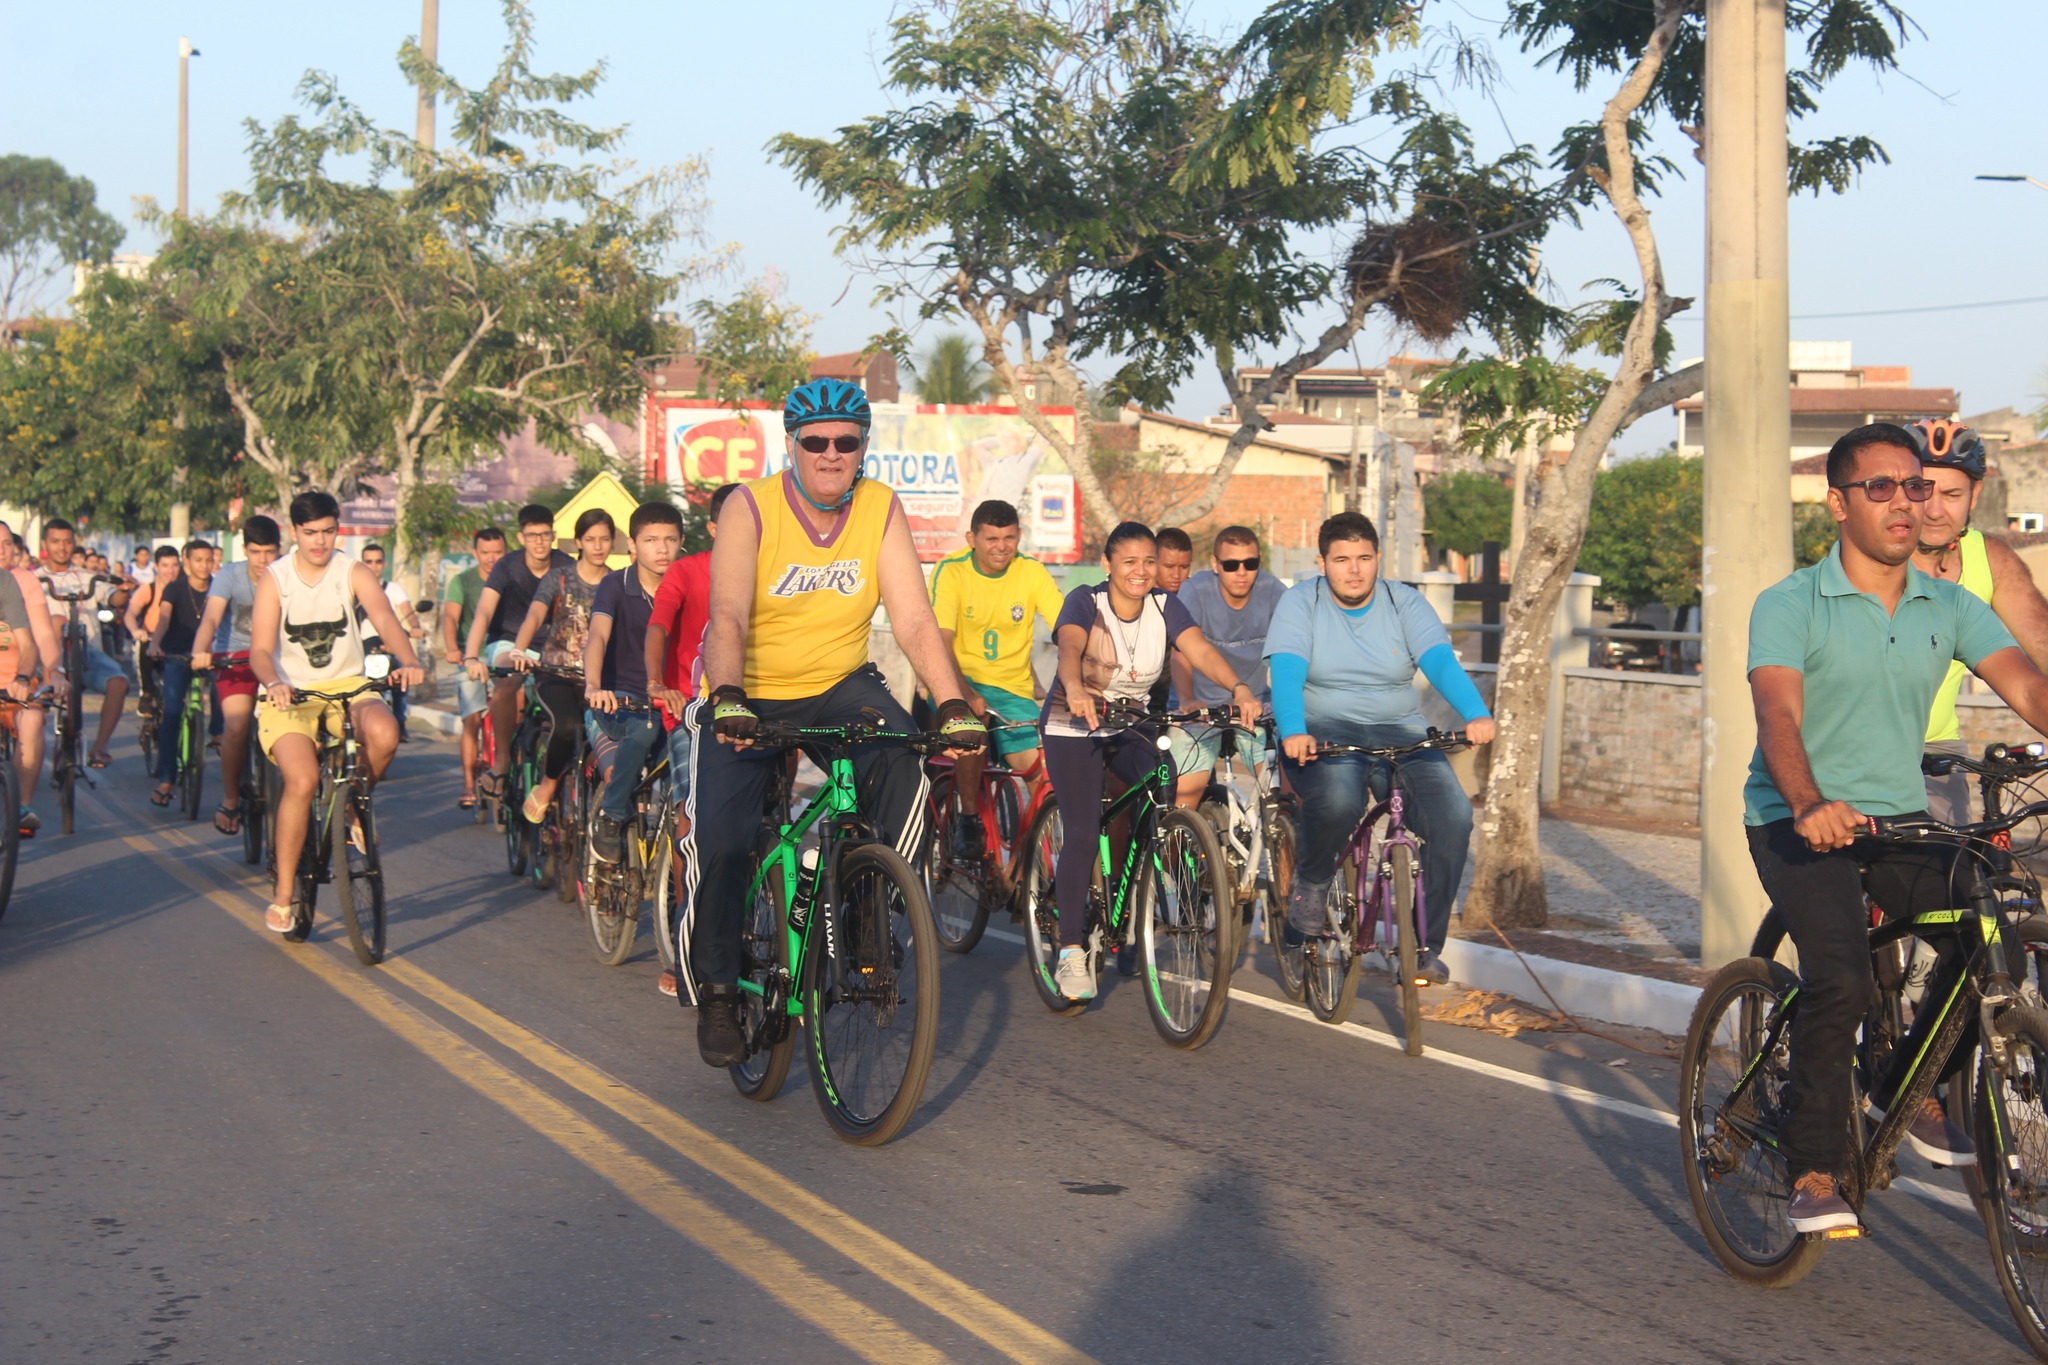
[(278, 919), (533, 809), (466, 801), (100, 758), (162, 796), (667, 983), (233, 816)]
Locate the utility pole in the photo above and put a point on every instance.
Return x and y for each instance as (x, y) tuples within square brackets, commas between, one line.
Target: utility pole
[(430, 42), (181, 512), (1747, 532)]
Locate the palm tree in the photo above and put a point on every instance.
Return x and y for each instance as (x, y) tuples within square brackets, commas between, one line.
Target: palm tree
[(951, 373)]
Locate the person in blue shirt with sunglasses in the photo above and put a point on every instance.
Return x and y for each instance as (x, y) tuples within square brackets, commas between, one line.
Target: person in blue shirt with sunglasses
[(1342, 651)]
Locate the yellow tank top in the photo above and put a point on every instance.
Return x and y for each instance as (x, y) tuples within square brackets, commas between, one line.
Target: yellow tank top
[(1942, 722), (814, 600)]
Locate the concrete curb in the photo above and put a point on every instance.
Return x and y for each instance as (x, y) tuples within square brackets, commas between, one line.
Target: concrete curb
[(1588, 992)]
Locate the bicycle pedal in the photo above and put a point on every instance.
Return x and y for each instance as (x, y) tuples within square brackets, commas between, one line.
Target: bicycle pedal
[(1844, 1234)]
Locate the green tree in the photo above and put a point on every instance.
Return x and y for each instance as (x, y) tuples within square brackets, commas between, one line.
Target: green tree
[(1654, 56), (1464, 510), (1813, 533), (48, 221), (952, 373), (1084, 179), (755, 346), (1643, 534)]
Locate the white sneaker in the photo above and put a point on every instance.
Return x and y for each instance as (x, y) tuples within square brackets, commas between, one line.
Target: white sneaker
[(1072, 976)]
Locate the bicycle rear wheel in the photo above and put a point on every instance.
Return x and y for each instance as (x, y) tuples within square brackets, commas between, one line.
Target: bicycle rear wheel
[(518, 834), (10, 825), (1331, 964), (764, 960), (1407, 947), (611, 906), (871, 997), (2012, 1166), (1188, 936), (1737, 1179), (959, 910), (192, 773), (1041, 909), (358, 876), (1278, 891)]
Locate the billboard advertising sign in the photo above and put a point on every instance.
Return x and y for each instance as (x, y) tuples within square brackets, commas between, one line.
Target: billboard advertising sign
[(941, 462)]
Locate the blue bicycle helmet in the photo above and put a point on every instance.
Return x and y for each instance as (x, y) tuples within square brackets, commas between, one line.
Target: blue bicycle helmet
[(1948, 445), (826, 400)]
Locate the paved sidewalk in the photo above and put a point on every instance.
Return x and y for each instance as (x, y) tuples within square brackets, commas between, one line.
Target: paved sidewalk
[(1633, 890)]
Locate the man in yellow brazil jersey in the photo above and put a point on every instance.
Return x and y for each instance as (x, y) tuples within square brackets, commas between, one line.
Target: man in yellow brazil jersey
[(988, 599), (800, 562), (1949, 547)]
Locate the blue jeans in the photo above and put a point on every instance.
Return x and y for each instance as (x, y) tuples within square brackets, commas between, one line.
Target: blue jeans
[(1333, 796), (623, 740), (175, 679)]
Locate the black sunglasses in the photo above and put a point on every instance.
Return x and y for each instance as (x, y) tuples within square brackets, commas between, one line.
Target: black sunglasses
[(818, 445), (1238, 565), (1883, 487)]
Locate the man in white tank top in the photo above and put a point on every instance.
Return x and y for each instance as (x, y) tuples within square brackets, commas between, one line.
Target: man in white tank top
[(303, 632)]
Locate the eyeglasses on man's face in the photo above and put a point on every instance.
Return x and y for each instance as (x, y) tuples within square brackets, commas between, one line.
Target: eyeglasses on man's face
[(1883, 488), (1238, 565)]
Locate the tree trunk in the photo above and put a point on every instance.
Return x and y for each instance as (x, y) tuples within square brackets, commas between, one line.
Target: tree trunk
[(1507, 881), (406, 472)]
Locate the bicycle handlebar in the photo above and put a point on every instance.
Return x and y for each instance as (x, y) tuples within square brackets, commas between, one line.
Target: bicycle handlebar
[(771, 734), (1448, 742), (1908, 828), (85, 596), (313, 694), (2000, 760)]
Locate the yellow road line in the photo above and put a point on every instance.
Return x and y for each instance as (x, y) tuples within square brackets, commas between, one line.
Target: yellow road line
[(811, 1297), (1009, 1332)]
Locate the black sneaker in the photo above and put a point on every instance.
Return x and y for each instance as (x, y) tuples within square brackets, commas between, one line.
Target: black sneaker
[(1430, 969), (1816, 1207), (719, 1040), (966, 837), (606, 839)]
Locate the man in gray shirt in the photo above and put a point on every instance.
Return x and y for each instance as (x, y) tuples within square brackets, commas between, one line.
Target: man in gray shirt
[(1232, 601)]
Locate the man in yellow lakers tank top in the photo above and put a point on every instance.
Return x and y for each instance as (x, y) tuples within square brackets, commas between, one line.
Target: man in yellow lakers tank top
[(799, 564), (1953, 456)]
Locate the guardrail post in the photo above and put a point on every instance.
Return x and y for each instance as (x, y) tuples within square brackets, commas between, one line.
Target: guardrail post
[(1435, 585), (1574, 613)]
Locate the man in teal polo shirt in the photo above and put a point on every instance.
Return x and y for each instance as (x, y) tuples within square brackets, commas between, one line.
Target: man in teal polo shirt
[(1867, 638)]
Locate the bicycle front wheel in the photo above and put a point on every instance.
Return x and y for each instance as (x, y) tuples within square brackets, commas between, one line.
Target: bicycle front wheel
[(358, 875), (959, 910), (1330, 963), (569, 835), (518, 834), (1732, 1082), (10, 830), (192, 774), (1279, 890), (1406, 946), (871, 997), (1188, 936), (2012, 1166), (611, 905), (255, 802)]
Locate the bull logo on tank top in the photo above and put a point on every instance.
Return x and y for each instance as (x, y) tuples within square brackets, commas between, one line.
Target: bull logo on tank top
[(317, 639), (843, 576)]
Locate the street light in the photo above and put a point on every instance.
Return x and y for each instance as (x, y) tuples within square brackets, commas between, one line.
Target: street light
[(2026, 179), (186, 52)]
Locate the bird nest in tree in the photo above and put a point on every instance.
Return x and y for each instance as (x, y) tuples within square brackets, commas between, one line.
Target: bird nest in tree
[(1421, 270)]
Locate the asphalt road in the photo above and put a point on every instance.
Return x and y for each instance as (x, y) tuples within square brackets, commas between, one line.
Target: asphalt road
[(218, 1147)]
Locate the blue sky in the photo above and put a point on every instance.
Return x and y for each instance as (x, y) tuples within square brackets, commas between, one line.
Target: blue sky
[(718, 80)]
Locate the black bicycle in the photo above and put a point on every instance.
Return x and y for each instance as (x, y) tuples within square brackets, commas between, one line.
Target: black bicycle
[(67, 764), (341, 837), (1736, 1067), (1169, 890), (10, 790)]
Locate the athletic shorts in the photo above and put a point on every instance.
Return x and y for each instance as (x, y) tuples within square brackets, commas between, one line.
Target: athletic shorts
[(234, 680), (1196, 748), (471, 698), (1021, 733), (303, 717)]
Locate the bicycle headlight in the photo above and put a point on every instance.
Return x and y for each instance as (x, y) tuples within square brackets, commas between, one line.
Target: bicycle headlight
[(377, 667), (105, 613), (1165, 742)]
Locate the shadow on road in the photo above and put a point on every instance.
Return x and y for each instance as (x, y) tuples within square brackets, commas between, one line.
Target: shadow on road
[(1219, 1283)]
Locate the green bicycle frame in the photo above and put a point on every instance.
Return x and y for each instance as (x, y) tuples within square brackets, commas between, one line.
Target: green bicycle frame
[(1161, 778), (194, 707), (835, 798)]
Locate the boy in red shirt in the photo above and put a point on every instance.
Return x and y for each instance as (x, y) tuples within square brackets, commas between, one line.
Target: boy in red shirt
[(675, 632)]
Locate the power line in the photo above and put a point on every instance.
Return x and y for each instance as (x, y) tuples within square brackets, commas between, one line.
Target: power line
[(1899, 312)]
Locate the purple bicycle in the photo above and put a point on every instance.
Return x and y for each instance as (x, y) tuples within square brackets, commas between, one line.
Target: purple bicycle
[(1381, 871)]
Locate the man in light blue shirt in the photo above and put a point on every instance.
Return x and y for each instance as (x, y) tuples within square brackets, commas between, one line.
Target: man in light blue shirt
[(1343, 650)]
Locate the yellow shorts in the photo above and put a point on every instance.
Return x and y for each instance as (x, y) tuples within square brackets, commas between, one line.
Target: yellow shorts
[(303, 718)]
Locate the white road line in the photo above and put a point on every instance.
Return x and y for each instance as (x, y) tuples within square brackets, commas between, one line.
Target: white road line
[(1946, 1196)]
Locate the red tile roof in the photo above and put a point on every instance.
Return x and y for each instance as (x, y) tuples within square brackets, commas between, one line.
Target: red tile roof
[(1884, 401)]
